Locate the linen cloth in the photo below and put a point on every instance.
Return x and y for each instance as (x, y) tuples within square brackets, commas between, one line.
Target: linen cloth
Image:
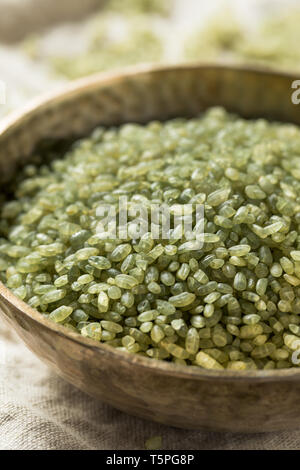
[(40, 411)]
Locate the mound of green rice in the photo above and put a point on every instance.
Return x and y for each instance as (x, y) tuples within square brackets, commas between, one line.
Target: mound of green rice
[(233, 304)]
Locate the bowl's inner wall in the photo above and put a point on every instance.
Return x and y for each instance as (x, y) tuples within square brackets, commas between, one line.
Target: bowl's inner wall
[(160, 94)]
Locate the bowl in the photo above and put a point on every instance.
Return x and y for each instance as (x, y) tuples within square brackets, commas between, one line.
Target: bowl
[(187, 397)]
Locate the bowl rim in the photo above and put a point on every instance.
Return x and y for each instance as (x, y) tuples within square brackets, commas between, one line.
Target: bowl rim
[(87, 84), (64, 92)]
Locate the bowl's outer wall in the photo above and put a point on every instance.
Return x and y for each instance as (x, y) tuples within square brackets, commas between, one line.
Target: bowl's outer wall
[(212, 403), (163, 393)]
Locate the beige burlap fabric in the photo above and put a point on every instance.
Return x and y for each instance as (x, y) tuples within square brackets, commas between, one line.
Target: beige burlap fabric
[(40, 411)]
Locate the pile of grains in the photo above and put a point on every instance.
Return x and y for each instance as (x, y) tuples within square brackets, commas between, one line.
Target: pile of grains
[(274, 42), (121, 33), (218, 39), (137, 43), (128, 32), (234, 304)]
